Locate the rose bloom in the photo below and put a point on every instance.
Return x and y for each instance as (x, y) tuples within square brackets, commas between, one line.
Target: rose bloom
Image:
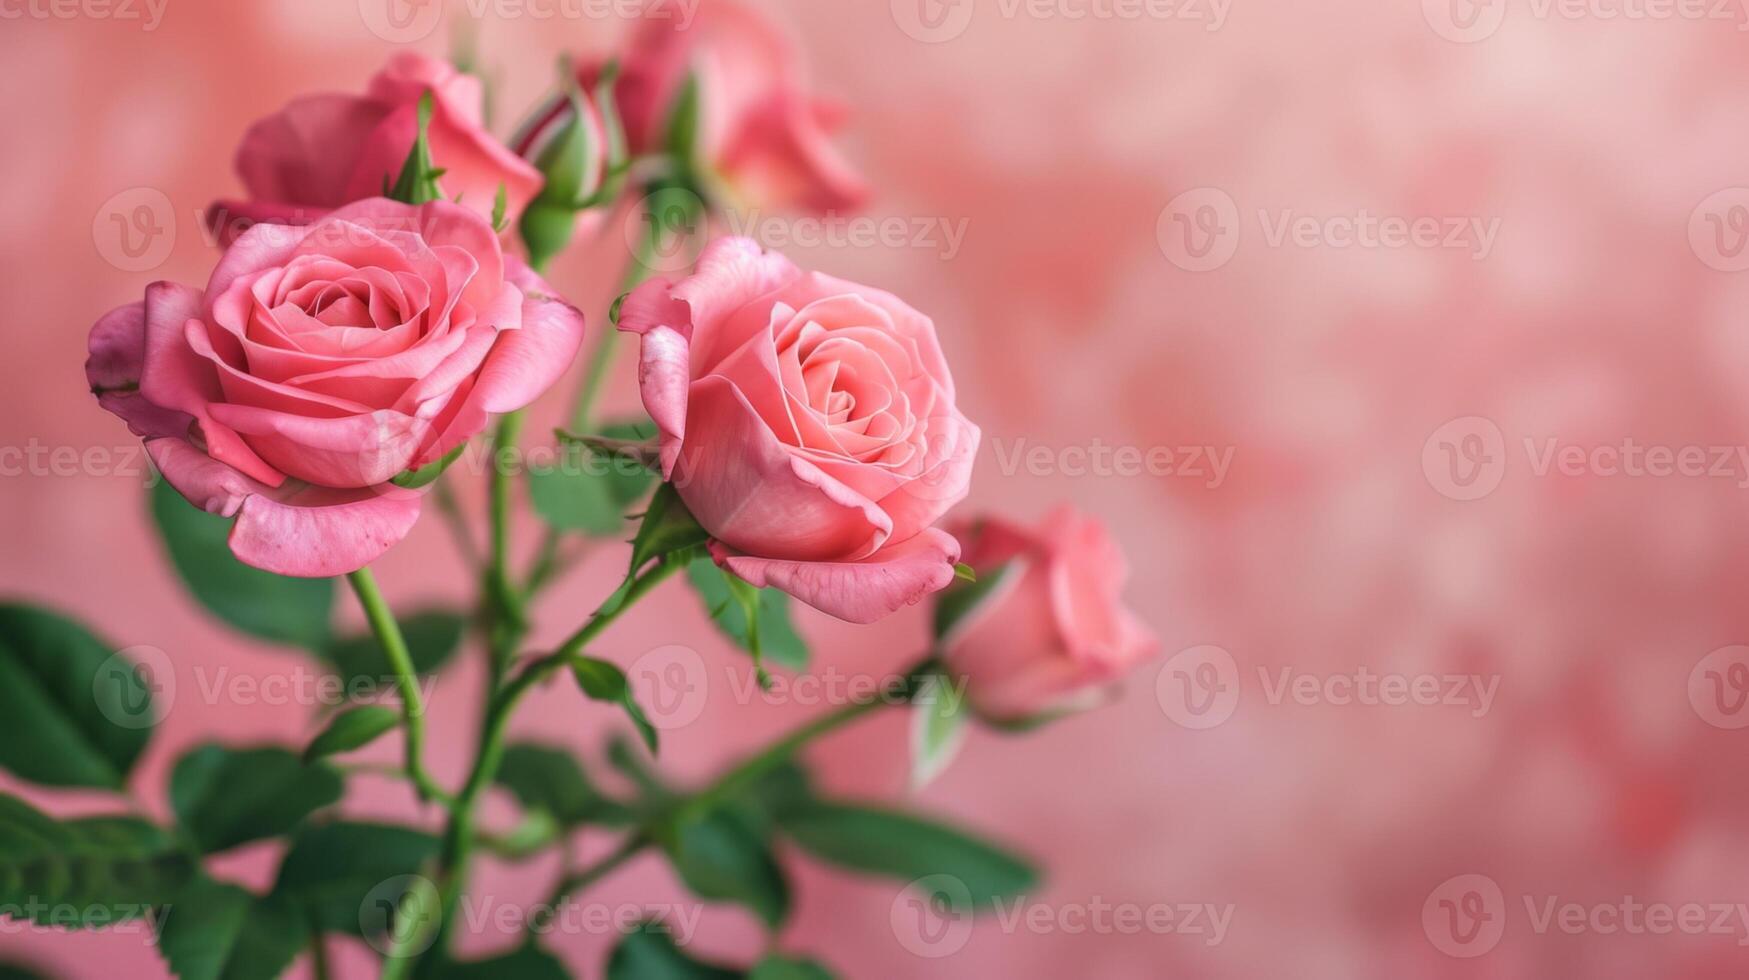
[(321, 362), (760, 132), (324, 151), (1053, 630), (809, 424)]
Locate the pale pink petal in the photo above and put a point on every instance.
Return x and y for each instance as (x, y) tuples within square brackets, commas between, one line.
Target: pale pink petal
[(351, 452), (752, 493), (861, 591), (525, 362)]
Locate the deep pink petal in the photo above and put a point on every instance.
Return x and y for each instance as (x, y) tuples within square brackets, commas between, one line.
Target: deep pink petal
[(861, 591), (118, 355)]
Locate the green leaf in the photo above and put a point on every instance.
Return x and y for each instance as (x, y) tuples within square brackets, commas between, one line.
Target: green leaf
[(428, 474), (353, 729), (727, 600), (964, 572), (898, 845), (722, 856), (525, 963), (650, 954), (548, 780), (779, 967), (938, 727), (603, 681), (72, 713), (331, 869), (85, 873), (433, 637), (956, 602), (500, 208), (417, 183), (21, 971), (668, 527), (589, 490), (683, 123), (218, 931), (292, 611), (224, 796)]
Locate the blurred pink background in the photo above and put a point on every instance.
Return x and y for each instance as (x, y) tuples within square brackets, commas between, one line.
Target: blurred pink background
[(1586, 295)]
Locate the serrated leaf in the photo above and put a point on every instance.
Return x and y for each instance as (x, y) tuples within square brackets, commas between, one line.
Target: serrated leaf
[(352, 729), (906, 847), (603, 681), (938, 727), (649, 953), (72, 713), (224, 797), (86, 873), (293, 611), (591, 491), (721, 855), (331, 869), (218, 931), (548, 779), (433, 637), (772, 629)]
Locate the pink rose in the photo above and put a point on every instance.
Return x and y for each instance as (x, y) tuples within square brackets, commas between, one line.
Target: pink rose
[(760, 131), (809, 424), (1054, 627), (321, 362), (324, 151)]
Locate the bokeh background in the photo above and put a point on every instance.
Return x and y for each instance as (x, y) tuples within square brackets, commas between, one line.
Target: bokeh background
[(1124, 280)]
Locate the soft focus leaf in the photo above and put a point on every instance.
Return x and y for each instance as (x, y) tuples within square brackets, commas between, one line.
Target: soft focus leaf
[(909, 848), (72, 713), (548, 779), (224, 796), (294, 611), (525, 963), (938, 727), (722, 856), (650, 954), (772, 629), (955, 603), (592, 491), (331, 869), (85, 873), (433, 637), (603, 681), (352, 729), (217, 931), (779, 967)]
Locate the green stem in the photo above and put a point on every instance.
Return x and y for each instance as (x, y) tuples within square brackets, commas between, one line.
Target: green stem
[(319, 969), (388, 634), (459, 837), (504, 605), (732, 782)]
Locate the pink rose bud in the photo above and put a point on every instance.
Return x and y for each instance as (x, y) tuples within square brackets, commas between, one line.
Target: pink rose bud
[(324, 151), (580, 150), (809, 424), (754, 126), (321, 362), (1044, 628)]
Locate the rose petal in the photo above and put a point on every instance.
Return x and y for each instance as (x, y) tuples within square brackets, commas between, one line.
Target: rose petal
[(527, 361), (118, 354), (861, 591)]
